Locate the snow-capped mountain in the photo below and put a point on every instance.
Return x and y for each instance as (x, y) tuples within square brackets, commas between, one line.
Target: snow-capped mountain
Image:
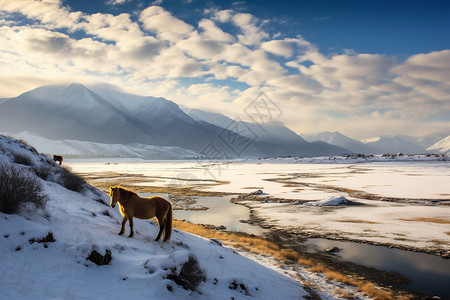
[(77, 113), (108, 116), (338, 139), (442, 146), (394, 144)]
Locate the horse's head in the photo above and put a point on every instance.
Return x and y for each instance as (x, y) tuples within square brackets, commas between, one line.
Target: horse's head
[(114, 194)]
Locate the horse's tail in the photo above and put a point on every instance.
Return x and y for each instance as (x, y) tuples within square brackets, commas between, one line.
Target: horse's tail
[(168, 225)]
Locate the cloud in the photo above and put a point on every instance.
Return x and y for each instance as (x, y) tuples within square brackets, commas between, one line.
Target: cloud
[(166, 26), (426, 73), (50, 12), (116, 2), (251, 33), (288, 47), (223, 16), (214, 33)]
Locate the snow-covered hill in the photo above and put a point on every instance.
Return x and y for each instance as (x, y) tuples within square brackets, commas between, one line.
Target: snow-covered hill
[(442, 146), (57, 252), (338, 139), (79, 149)]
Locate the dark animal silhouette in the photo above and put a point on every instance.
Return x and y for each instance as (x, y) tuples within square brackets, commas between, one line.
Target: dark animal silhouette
[(58, 158)]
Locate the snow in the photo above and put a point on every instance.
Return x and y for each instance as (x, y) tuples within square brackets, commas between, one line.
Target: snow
[(330, 201), (80, 223), (442, 146)]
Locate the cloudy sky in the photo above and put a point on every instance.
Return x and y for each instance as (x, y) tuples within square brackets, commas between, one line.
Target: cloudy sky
[(363, 68)]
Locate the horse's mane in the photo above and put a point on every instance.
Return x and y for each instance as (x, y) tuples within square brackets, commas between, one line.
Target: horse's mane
[(126, 190)]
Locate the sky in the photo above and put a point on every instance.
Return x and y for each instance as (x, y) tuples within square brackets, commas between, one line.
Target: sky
[(361, 67)]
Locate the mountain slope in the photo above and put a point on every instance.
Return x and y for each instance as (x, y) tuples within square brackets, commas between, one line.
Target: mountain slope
[(395, 144), (272, 135), (442, 146), (338, 139), (430, 140), (45, 252)]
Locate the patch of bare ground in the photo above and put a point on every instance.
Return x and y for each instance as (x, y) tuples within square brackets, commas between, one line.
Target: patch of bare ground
[(290, 257), (447, 233), (104, 181), (428, 220), (356, 221)]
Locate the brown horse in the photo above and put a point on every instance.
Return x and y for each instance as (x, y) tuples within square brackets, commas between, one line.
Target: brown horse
[(131, 205)]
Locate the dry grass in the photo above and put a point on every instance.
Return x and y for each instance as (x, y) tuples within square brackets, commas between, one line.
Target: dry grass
[(375, 292), (357, 221), (447, 233), (104, 181), (252, 244), (428, 220), (289, 256), (340, 293), (336, 276)]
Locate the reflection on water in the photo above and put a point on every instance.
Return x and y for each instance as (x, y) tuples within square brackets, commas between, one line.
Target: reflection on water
[(429, 274), (220, 212)]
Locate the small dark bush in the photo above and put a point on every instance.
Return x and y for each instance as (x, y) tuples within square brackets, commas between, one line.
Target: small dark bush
[(71, 181), (16, 188), (43, 171), (242, 288), (22, 159), (190, 275), (99, 259), (48, 239)]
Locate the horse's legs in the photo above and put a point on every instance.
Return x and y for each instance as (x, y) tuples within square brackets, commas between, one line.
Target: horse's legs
[(124, 221), (131, 227), (161, 228)]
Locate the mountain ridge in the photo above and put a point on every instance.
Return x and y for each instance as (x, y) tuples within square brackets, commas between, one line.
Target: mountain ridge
[(75, 112)]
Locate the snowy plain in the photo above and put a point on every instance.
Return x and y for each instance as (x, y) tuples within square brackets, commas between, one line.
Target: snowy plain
[(417, 190)]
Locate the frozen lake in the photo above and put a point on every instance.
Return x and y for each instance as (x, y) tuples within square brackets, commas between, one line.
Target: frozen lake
[(417, 215)]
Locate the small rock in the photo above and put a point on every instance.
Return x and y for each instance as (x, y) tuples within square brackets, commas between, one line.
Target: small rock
[(256, 193), (217, 242), (332, 249)]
